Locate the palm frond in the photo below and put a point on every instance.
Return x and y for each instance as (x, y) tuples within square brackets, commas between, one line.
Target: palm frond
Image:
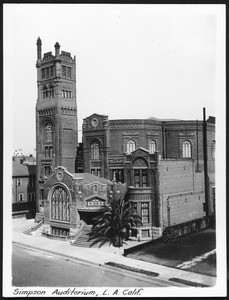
[(104, 242), (115, 221), (98, 240), (107, 229)]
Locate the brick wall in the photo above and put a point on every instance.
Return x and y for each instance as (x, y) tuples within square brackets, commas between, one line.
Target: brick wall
[(180, 208), (182, 192), (141, 131), (176, 176)]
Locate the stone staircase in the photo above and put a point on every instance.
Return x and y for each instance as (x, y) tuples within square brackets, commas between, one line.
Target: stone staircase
[(30, 230), (81, 241)]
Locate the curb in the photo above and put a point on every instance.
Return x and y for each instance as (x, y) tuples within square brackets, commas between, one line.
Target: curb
[(188, 282), (132, 269)]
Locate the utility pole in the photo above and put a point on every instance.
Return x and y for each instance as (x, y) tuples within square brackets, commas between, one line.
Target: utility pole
[(205, 164), (197, 146)]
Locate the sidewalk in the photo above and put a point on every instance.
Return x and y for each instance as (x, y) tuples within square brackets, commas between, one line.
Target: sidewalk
[(101, 256)]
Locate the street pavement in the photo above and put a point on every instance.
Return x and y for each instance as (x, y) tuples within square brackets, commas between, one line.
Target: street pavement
[(51, 270), (100, 256)]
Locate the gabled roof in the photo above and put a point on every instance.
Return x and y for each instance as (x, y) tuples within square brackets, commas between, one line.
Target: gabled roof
[(90, 178), (94, 196), (96, 116), (23, 170), (140, 149)]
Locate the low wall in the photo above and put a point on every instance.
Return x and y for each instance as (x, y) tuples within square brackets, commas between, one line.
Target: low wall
[(190, 226), (25, 209), (180, 229)]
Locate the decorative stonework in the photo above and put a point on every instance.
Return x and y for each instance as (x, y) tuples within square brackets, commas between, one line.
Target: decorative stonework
[(130, 134), (94, 122), (134, 124), (152, 135), (139, 196), (183, 126), (59, 175), (73, 231), (47, 111), (156, 232), (67, 87), (46, 229), (66, 56), (189, 135), (47, 56), (68, 111), (139, 162)]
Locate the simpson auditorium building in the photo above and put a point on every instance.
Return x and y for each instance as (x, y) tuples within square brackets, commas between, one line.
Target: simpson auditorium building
[(165, 167)]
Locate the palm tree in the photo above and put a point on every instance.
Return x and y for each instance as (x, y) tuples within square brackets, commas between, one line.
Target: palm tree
[(114, 223)]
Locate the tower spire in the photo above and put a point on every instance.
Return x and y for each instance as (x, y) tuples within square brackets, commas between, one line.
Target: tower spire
[(57, 50), (39, 43)]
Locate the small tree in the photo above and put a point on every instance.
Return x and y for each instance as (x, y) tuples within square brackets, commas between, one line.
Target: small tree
[(114, 223), (170, 237), (212, 220)]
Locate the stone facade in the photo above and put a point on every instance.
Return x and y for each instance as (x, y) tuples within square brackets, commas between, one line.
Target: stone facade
[(56, 115), (70, 198)]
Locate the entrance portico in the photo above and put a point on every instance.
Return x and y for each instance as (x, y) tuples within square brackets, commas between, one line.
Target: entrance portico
[(70, 199)]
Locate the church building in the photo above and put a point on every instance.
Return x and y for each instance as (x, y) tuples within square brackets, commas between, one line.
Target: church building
[(165, 167)]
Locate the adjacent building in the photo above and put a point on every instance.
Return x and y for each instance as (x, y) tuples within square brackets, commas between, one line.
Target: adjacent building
[(23, 189)]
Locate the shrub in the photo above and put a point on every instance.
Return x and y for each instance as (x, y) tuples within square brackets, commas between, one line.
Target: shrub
[(170, 237)]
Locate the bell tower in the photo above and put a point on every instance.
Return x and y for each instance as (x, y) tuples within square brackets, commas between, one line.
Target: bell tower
[(56, 116)]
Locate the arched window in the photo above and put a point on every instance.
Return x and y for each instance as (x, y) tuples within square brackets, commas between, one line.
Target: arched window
[(60, 204), (48, 132), (152, 146), (95, 203), (140, 173), (95, 151), (130, 146), (47, 91), (213, 149), (187, 149)]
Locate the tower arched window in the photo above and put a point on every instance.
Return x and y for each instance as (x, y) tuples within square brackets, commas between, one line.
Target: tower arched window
[(187, 149), (130, 146), (60, 204), (48, 132), (47, 91), (95, 153), (152, 146), (213, 149)]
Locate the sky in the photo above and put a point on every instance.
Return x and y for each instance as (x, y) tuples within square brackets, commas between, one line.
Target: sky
[(132, 61)]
